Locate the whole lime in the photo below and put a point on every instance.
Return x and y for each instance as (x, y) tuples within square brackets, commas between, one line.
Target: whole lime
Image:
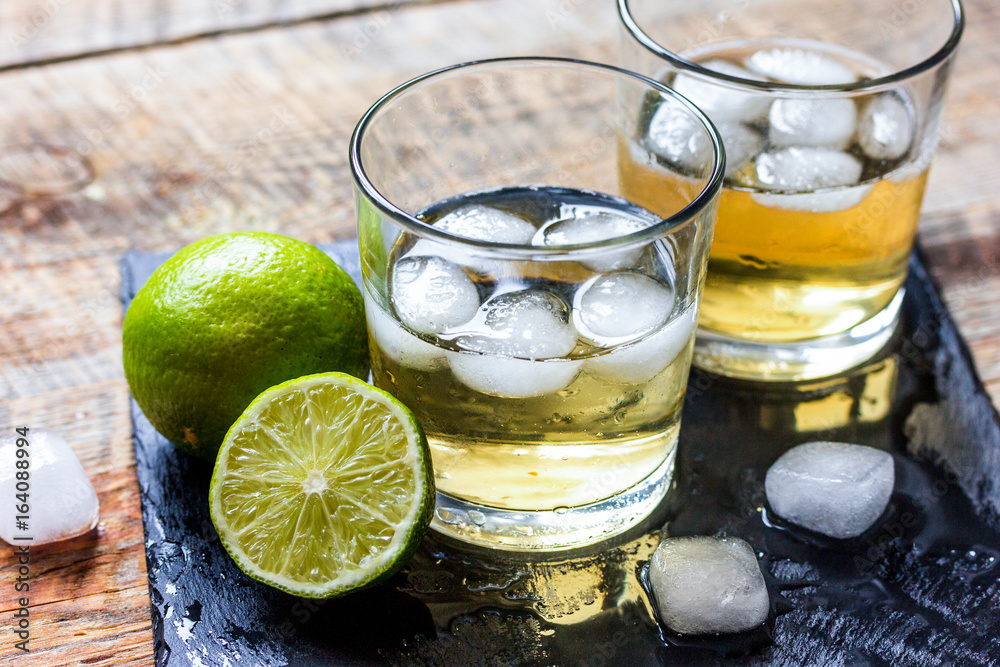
[(228, 317)]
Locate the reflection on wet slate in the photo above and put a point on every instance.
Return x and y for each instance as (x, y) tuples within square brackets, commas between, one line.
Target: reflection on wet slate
[(921, 587)]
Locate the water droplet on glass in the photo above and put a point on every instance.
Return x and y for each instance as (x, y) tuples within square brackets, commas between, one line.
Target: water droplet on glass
[(447, 516)]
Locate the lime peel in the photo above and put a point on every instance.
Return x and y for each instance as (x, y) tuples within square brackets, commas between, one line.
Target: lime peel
[(227, 317), (323, 486)]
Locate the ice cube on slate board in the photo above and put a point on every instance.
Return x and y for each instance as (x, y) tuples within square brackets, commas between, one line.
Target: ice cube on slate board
[(833, 488), (708, 585), (62, 501)]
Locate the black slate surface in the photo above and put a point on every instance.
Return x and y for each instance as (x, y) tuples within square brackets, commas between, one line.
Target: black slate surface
[(920, 588)]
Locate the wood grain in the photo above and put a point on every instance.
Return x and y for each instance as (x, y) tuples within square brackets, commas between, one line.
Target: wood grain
[(109, 627), (249, 131), (40, 30), (89, 595), (110, 553)]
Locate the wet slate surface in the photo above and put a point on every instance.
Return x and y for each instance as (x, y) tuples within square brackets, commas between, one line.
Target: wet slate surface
[(922, 587)]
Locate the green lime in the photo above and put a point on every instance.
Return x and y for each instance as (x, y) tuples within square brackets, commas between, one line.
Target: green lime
[(226, 318), (323, 486)]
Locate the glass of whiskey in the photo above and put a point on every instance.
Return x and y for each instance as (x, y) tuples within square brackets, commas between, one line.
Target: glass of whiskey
[(829, 115), (536, 320)]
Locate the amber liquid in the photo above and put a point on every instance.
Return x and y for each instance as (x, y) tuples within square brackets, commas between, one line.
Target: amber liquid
[(784, 275), (586, 442), (598, 434), (781, 275)]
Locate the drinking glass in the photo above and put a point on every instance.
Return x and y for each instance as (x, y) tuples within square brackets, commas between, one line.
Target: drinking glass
[(829, 114), (535, 319)]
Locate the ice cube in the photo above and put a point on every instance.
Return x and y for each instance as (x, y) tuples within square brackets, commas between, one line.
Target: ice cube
[(807, 168), (833, 488), (513, 378), (921, 154), (588, 227), (61, 501), (529, 324), (885, 130), (741, 143), (644, 359), (511, 334), (481, 223), (792, 65), (619, 307), (431, 294), (399, 344), (484, 223), (677, 137), (720, 101), (708, 585), (811, 169), (812, 122)]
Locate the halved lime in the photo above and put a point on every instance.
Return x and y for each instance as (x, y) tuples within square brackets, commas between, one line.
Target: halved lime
[(322, 486)]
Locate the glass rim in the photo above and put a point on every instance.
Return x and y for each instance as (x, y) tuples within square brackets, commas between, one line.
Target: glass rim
[(425, 230), (864, 85)]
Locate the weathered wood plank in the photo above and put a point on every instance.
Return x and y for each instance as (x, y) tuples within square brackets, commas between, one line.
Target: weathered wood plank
[(102, 628), (94, 418), (108, 558), (87, 591), (993, 386), (250, 131), (38, 30), (963, 249), (76, 323)]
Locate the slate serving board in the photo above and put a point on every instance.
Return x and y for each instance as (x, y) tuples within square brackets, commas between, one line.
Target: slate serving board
[(922, 587)]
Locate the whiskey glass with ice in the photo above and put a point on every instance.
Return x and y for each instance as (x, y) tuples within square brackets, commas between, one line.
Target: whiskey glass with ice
[(537, 321), (829, 114)]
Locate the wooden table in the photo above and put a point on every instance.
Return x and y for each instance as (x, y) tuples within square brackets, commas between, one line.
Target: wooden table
[(202, 117)]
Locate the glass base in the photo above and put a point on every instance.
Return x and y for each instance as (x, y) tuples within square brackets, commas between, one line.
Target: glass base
[(799, 360), (553, 530)]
